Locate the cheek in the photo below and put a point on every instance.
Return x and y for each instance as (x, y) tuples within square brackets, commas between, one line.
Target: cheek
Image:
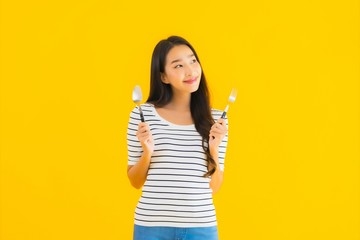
[(198, 69), (175, 74), (171, 73)]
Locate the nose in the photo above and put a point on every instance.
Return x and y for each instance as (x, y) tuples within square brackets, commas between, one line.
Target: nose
[(189, 71)]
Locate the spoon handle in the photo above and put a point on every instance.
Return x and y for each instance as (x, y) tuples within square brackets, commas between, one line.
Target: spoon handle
[(141, 114)]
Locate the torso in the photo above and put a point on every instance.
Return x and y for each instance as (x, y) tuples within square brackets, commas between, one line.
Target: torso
[(176, 117), (176, 193)]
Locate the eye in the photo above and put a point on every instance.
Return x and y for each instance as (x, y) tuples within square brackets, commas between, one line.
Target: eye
[(178, 66), (194, 60)]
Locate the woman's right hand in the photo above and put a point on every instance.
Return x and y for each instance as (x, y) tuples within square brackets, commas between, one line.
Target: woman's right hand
[(145, 137)]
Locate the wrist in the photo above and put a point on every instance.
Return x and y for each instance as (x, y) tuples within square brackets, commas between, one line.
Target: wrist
[(214, 151), (146, 154)]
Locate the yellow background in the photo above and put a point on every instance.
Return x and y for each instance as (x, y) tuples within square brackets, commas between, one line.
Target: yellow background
[(67, 72)]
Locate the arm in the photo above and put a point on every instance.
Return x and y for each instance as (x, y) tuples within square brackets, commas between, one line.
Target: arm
[(218, 176), (216, 136), (137, 173)]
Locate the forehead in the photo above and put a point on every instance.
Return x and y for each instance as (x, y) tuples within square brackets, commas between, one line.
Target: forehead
[(179, 52)]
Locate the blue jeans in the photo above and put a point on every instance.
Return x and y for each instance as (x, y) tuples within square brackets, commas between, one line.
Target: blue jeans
[(175, 233)]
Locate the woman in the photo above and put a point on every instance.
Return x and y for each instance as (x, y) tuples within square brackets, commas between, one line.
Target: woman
[(177, 154)]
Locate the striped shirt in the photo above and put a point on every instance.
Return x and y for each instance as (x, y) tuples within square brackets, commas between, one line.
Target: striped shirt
[(175, 193)]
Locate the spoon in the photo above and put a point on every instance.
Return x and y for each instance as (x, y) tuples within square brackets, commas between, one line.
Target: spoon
[(137, 98), (230, 100)]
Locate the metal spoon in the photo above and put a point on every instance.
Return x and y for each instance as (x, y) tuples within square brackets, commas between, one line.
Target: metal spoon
[(231, 99), (137, 98)]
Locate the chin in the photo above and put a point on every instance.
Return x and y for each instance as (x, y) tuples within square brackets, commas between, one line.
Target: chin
[(195, 89)]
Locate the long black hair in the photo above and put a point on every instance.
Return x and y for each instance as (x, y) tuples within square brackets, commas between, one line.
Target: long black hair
[(161, 94)]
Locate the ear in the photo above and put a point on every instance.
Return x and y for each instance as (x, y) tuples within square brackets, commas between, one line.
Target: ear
[(164, 79)]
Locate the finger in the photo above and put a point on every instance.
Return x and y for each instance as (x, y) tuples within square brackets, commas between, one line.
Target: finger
[(143, 125), (144, 129), (220, 127), (141, 132), (221, 121), (215, 126), (217, 131), (141, 137), (145, 134)]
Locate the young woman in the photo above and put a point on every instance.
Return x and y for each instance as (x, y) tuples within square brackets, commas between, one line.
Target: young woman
[(177, 154)]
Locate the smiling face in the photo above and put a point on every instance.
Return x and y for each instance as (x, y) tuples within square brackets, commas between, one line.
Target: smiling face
[(182, 70)]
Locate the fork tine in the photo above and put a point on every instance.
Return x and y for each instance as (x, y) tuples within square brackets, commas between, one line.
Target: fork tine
[(233, 95)]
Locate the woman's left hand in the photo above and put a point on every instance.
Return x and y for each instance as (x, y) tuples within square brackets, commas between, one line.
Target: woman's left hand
[(217, 134)]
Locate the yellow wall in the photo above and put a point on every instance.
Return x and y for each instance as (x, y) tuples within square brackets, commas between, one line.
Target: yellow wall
[(67, 71)]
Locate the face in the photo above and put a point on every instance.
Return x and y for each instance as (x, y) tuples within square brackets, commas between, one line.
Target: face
[(182, 70)]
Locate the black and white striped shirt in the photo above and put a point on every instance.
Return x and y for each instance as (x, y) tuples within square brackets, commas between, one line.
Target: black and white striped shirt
[(176, 193)]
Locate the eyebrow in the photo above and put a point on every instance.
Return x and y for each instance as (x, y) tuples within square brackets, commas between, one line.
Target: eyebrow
[(178, 60)]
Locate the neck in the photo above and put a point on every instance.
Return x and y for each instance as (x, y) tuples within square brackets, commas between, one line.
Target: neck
[(180, 102)]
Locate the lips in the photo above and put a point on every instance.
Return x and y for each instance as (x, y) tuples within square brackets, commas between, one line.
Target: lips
[(190, 81)]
